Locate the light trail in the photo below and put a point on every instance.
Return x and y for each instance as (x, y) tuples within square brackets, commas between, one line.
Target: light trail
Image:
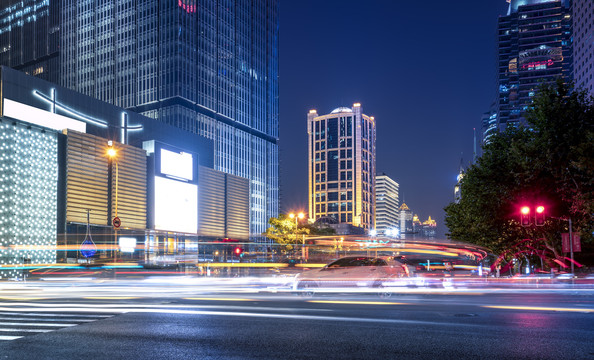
[(538, 308), (256, 315), (218, 299), (9, 337), (37, 324), (356, 302)]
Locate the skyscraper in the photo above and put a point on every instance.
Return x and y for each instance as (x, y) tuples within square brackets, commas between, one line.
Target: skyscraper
[(583, 44), (386, 204), (406, 219), (488, 124), (208, 67), (534, 46), (341, 153), (29, 37)]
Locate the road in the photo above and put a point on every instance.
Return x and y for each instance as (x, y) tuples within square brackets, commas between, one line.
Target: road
[(170, 320)]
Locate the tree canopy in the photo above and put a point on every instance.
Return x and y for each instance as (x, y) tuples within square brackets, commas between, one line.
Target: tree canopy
[(550, 162), (285, 231)]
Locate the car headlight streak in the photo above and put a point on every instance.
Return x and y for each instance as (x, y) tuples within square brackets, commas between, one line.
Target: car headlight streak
[(28, 195)]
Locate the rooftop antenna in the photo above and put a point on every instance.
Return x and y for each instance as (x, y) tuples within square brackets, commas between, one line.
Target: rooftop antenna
[(474, 154)]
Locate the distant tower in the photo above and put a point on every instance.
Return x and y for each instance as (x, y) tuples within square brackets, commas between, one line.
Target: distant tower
[(386, 200), (429, 227), (457, 188), (474, 154), (488, 125), (406, 219), (341, 153)]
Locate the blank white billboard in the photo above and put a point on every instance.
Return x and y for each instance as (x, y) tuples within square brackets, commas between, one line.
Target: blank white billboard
[(176, 205), (179, 165), (40, 117)]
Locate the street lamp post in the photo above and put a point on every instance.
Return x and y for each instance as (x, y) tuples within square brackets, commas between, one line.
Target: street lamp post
[(112, 153), (297, 217)]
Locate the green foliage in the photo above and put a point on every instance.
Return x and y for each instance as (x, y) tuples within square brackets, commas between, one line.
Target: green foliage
[(285, 231), (319, 230), (551, 161)]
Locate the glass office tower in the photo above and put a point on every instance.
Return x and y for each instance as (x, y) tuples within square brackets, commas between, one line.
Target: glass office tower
[(583, 44), (534, 46), (206, 66), (386, 202), (29, 37)]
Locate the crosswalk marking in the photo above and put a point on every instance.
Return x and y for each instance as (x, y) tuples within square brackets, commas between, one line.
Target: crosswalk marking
[(15, 325), (55, 315), (9, 337), (25, 330), (37, 324), (24, 318)]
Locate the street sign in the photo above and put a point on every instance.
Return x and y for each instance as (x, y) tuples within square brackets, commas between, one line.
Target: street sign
[(577, 245), (116, 222)]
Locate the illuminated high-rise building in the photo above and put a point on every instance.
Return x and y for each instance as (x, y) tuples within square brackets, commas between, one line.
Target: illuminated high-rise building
[(583, 44), (406, 219), (207, 68), (534, 47), (30, 37), (386, 204), (341, 153), (489, 125)]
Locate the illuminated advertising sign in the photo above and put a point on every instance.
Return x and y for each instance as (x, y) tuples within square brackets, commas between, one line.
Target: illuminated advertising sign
[(33, 115), (127, 244), (537, 65), (176, 205), (177, 165)]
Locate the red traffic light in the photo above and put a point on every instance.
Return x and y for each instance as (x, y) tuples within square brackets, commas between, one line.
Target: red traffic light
[(525, 216), (539, 218), (237, 251)]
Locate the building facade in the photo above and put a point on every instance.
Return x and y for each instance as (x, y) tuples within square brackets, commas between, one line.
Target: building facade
[(406, 220), (30, 37), (583, 44), (488, 125), (341, 171), (533, 47), (386, 204), (210, 69), (63, 188)]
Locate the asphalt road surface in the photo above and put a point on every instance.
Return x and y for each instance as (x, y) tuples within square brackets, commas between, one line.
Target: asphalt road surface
[(135, 323)]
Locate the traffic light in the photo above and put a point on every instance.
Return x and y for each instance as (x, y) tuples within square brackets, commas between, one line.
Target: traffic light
[(237, 251), (525, 216), (539, 218)]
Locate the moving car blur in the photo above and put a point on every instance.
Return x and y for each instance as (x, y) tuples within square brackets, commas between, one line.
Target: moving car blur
[(360, 271)]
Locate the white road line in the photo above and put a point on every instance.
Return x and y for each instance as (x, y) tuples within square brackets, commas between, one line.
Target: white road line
[(69, 319), (9, 337), (56, 315), (37, 324), (25, 330)]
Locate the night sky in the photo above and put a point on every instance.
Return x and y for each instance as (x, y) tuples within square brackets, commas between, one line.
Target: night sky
[(424, 69)]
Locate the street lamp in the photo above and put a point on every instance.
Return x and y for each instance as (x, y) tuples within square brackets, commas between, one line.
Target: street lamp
[(112, 154), (297, 217)]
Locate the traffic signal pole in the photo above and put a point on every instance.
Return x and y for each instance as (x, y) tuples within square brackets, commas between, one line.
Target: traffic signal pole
[(571, 249)]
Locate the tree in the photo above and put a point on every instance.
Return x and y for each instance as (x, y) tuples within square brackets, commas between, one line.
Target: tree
[(549, 161), (285, 231)]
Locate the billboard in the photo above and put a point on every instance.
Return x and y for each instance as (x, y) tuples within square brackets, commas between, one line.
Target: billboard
[(178, 165), (176, 205)]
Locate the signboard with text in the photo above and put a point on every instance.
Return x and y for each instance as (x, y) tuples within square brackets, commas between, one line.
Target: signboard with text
[(577, 245)]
